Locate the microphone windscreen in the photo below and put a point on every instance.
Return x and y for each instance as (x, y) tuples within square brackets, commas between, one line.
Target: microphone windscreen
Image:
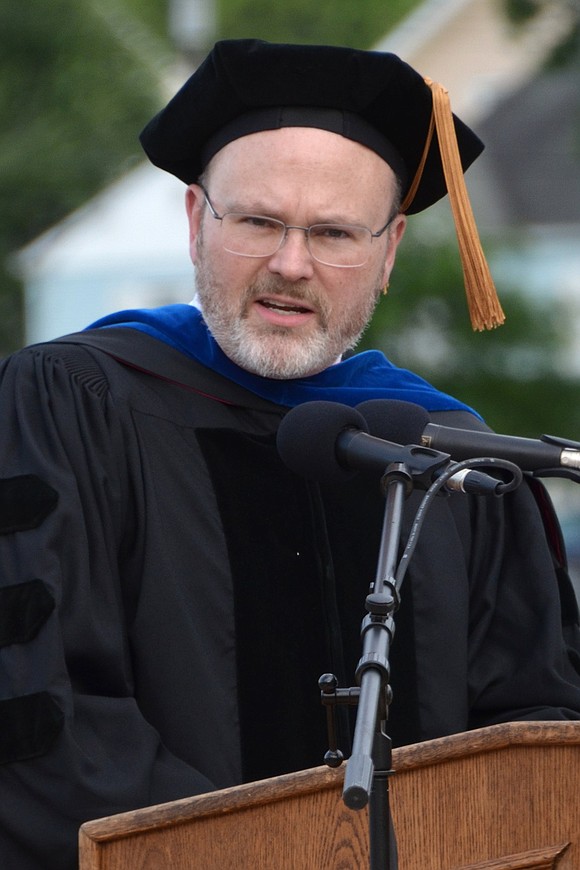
[(307, 439), (394, 420)]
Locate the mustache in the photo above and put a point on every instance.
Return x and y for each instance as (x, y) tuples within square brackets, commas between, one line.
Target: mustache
[(297, 291)]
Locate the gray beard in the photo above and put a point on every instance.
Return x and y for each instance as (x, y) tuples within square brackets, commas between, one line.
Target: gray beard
[(273, 351)]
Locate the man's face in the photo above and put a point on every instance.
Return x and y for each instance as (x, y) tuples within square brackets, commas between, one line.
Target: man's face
[(287, 315)]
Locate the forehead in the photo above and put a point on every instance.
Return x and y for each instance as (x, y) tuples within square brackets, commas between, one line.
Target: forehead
[(301, 155)]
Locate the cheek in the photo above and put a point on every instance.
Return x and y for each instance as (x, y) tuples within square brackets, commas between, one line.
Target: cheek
[(236, 273), (227, 275), (356, 292)]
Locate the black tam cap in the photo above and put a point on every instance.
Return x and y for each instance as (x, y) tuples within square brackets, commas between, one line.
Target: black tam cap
[(246, 85)]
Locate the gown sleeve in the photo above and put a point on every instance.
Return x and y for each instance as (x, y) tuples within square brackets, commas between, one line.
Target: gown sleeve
[(524, 649), (74, 744)]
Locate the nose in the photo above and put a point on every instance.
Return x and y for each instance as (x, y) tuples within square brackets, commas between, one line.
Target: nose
[(293, 260)]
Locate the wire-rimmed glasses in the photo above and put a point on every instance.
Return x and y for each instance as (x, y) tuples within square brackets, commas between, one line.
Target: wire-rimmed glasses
[(250, 235)]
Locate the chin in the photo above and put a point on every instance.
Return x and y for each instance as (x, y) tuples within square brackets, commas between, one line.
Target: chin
[(282, 359)]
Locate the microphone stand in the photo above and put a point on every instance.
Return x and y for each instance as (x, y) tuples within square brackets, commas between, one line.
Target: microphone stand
[(369, 767)]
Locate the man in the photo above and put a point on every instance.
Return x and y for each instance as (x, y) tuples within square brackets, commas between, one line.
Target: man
[(170, 591)]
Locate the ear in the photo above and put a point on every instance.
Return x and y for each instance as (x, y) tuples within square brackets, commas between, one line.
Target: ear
[(194, 201), (396, 233)]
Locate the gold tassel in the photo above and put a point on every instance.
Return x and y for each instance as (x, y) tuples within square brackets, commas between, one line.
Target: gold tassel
[(482, 300)]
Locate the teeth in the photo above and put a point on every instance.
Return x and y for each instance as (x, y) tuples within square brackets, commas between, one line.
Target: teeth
[(291, 309)]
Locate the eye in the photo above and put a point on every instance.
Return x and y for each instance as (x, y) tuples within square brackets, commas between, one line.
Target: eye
[(333, 232), (257, 222)]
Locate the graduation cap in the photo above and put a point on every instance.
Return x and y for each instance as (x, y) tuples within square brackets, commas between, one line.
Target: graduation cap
[(375, 98)]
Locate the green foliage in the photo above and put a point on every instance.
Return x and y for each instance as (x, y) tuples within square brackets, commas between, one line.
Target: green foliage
[(11, 313), (507, 373), (76, 85), (153, 14), (521, 10), (75, 100), (567, 51), (333, 22)]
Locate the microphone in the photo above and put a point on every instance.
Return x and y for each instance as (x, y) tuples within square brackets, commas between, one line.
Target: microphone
[(330, 442), (386, 418)]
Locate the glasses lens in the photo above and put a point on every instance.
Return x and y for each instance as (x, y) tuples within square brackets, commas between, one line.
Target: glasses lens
[(251, 235), (340, 245)]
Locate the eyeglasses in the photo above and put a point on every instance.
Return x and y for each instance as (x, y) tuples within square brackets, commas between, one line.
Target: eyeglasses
[(254, 235)]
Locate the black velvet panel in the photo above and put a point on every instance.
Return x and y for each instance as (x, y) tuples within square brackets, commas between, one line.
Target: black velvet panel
[(25, 501), (24, 608), (302, 561), (29, 725)]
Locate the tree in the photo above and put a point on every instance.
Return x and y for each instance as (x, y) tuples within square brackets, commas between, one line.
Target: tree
[(567, 52), (359, 24), (512, 375), (77, 82)]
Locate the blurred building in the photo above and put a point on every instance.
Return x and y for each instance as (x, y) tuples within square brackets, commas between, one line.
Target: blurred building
[(525, 188), (126, 248)]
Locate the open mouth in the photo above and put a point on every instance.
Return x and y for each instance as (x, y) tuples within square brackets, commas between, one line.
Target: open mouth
[(284, 307)]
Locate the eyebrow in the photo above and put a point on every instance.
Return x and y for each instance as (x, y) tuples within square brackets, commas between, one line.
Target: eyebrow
[(265, 211)]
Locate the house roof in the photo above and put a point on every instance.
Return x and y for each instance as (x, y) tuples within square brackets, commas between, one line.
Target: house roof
[(472, 48), (533, 160)]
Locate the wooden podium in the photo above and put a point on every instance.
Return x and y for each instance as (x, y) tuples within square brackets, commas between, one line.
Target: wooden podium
[(500, 798)]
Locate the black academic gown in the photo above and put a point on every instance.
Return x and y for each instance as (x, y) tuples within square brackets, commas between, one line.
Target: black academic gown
[(171, 594)]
